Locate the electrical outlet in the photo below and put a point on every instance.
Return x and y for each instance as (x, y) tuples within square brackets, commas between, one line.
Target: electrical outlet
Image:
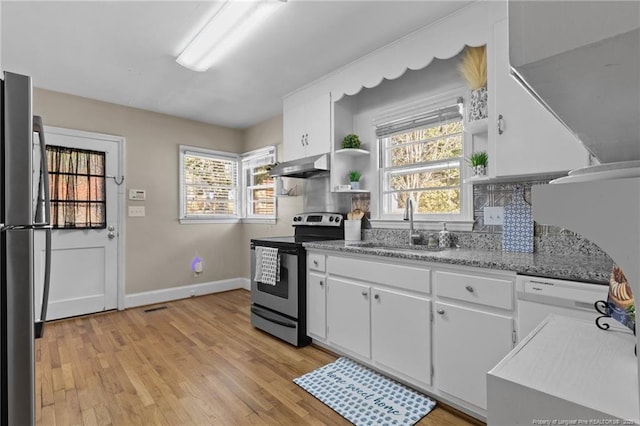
[(493, 215), (136, 211)]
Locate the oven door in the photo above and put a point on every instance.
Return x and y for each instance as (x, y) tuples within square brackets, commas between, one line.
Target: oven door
[(283, 296)]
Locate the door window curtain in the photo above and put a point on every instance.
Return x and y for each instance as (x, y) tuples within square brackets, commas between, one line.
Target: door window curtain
[(78, 192)]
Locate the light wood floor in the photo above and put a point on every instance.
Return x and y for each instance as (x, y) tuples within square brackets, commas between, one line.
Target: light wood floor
[(197, 362)]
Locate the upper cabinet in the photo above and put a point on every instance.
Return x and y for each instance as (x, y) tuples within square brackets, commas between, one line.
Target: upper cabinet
[(307, 127), (521, 136), (524, 137)]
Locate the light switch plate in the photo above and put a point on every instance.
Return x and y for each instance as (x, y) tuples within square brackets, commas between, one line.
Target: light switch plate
[(493, 215), (136, 211)]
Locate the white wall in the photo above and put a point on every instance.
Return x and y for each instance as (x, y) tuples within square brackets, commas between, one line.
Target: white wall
[(158, 249)]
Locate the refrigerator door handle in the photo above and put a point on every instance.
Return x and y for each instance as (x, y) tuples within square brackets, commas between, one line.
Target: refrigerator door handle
[(39, 330), (43, 208)]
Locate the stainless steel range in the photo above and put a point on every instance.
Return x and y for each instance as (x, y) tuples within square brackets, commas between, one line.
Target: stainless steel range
[(280, 309)]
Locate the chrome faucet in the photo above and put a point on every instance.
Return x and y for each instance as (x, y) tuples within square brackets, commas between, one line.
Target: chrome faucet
[(414, 237)]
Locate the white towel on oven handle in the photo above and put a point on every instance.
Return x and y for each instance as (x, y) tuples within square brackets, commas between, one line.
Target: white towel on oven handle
[(267, 265)]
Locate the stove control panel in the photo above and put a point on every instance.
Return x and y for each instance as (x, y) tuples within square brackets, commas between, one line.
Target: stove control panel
[(318, 219)]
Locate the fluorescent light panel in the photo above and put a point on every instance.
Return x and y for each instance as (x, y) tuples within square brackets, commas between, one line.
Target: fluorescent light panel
[(225, 31)]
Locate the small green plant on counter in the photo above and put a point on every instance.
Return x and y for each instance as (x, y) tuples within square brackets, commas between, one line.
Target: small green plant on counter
[(354, 176), (351, 141), (479, 158)]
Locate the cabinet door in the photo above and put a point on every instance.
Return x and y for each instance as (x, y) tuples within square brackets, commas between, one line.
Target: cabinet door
[(469, 343), (293, 130), (318, 125), (532, 140), (401, 333), (316, 306), (348, 316)]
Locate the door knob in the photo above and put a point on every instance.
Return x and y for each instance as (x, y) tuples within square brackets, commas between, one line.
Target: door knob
[(364, 293), (321, 283), (111, 235), (377, 296), (111, 228), (440, 311)]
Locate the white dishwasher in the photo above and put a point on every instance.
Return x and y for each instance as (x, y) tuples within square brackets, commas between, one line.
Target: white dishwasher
[(539, 297)]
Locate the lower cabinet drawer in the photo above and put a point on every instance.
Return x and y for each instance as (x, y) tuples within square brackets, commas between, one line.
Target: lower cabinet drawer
[(475, 289), (401, 276), (316, 262)]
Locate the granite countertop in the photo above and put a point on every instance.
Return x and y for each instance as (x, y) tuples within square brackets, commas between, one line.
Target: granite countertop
[(592, 269)]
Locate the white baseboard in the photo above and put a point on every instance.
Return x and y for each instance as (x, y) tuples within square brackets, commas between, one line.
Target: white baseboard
[(183, 292)]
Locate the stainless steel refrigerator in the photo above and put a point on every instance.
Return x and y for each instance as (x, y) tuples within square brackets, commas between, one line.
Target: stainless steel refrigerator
[(24, 210)]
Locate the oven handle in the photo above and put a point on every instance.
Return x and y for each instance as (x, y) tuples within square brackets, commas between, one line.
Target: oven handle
[(269, 318), (292, 252)]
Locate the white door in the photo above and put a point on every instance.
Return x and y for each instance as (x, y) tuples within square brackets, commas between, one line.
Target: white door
[(348, 316), (84, 262), (469, 344), (401, 333)]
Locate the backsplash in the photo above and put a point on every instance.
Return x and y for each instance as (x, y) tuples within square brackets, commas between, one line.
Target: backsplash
[(499, 195), (548, 239), (568, 244)]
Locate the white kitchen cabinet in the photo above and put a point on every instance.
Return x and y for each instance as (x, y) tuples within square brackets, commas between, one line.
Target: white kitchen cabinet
[(307, 127), (316, 305), (401, 333), (470, 342), (524, 137), (567, 368), (348, 316)]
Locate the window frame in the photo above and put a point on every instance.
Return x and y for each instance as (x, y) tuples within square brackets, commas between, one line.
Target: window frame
[(269, 154), (241, 160), (54, 175), (464, 219)]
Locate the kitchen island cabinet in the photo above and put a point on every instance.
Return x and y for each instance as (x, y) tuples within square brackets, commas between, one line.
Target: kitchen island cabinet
[(566, 369)]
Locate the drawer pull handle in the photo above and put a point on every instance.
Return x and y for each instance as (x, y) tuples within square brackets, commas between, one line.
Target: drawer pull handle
[(469, 289), (315, 262), (440, 311), (377, 296), (364, 293)]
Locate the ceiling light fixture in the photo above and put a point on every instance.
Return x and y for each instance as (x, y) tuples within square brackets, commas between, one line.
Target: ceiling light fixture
[(228, 27)]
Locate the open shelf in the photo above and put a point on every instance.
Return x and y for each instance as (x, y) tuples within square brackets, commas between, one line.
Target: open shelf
[(477, 126), (477, 179), (355, 190), (352, 152)]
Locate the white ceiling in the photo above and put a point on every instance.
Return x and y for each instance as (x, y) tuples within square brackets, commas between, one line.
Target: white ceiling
[(124, 52)]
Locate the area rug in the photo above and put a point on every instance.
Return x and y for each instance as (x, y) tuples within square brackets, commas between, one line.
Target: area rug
[(363, 396)]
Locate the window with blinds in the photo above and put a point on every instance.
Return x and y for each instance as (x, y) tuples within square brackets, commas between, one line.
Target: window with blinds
[(226, 187), (260, 196), (209, 184), (421, 158)]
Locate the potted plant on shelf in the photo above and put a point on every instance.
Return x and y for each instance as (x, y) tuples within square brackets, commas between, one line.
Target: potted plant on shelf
[(473, 69), (354, 179), (351, 141), (478, 162)]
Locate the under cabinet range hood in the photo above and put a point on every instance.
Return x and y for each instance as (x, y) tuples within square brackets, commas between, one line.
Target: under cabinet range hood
[(303, 167), (581, 59)]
